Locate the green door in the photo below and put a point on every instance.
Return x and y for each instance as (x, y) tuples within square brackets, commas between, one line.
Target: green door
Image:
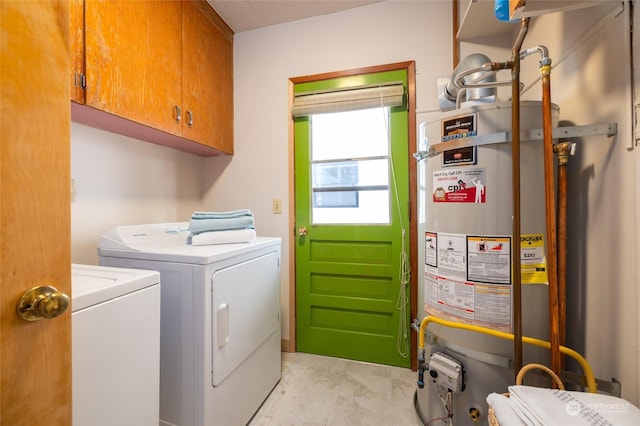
[(352, 219)]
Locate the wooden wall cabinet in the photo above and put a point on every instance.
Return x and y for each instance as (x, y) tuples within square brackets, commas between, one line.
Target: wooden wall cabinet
[(160, 71), (207, 77)]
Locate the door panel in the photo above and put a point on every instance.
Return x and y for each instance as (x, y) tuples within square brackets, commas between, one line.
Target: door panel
[(35, 357), (347, 283)]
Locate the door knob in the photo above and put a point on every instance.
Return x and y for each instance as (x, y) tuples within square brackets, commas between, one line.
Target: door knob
[(42, 302), (302, 231)]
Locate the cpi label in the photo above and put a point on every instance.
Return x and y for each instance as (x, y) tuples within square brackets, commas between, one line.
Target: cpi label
[(460, 185)]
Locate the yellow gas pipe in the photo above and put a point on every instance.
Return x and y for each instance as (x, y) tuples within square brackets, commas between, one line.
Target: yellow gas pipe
[(586, 368)]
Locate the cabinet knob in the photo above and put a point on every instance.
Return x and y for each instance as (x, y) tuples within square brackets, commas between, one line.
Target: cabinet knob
[(189, 118), (177, 113)]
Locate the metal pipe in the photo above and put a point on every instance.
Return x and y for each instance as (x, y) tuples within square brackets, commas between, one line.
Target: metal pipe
[(562, 150), (550, 206), (475, 60), (549, 186), (515, 178), (478, 74), (562, 257)]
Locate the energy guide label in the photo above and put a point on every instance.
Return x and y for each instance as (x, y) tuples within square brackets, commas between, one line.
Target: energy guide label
[(533, 260)]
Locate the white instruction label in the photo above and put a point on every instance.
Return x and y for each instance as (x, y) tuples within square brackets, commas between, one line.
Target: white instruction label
[(468, 278)]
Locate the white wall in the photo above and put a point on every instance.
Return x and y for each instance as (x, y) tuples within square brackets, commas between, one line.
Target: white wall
[(122, 181), (265, 59)]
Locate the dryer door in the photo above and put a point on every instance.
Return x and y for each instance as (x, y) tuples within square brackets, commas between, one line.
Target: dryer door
[(245, 311)]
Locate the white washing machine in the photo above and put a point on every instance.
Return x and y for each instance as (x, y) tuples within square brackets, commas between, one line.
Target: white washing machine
[(115, 346), (220, 349)]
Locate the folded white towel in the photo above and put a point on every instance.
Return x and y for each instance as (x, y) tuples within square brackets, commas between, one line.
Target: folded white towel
[(503, 410), (548, 407), (224, 237)]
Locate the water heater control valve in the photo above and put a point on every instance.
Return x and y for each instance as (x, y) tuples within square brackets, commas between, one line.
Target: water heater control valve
[(446, 372)]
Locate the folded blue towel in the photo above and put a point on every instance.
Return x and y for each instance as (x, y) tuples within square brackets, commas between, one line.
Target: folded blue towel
[(221, 221), (222, 215)]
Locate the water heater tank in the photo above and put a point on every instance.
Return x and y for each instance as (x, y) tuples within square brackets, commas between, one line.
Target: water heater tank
[(465, 223), (468, 212)]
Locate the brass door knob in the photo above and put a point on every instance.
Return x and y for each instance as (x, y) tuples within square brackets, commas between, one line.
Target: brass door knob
[(42, 302), (302, 231)]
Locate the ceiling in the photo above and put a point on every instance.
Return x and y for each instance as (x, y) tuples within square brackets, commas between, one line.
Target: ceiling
[(246, 15)]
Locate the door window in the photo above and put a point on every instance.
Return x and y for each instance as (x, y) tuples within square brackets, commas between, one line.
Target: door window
[(350, 167)]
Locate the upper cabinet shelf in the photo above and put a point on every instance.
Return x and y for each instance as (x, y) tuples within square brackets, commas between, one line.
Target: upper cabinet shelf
[(479, 20), (531, 8)]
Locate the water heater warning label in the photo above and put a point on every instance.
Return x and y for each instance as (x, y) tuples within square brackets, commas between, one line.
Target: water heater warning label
[(468, 278), (460, 185)]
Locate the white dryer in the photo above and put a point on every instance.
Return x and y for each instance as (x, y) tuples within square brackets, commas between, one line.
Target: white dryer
[(115, 325), (220, 353)]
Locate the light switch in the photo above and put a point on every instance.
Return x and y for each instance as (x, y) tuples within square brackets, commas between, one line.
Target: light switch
[(277, 206)]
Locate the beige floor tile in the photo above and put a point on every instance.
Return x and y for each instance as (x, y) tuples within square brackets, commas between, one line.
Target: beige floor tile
[(322, 391)]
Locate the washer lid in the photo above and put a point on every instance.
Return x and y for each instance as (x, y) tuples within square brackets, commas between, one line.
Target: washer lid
[(91, 285), (168, 242), (150, 236)]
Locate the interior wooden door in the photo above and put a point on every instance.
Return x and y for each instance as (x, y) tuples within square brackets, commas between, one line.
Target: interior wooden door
[(133, 55), (35, 357), (207, 76)]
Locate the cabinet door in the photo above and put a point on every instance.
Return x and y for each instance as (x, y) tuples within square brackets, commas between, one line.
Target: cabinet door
[(133, 60), (77, 49), (207, 77)]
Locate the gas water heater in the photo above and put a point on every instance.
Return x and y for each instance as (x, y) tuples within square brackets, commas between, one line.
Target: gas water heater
[(465, 223)]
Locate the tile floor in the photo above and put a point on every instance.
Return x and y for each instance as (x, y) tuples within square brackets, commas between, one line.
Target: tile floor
[(317, 390)]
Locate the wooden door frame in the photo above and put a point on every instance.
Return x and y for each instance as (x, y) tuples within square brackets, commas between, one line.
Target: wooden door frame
[(409, 66)]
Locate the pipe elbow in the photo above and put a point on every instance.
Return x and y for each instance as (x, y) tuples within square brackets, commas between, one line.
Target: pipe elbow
[(541, 50)]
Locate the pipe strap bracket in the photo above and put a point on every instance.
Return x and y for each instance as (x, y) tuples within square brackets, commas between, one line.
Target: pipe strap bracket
[(607, 129)]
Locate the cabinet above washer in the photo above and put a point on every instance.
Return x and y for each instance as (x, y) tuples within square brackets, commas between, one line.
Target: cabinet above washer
[(160, 71)]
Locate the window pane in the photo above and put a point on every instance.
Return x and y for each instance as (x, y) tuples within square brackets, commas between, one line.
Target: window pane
[(373, 208), (350, 167), (352, 134), (349, 173)]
